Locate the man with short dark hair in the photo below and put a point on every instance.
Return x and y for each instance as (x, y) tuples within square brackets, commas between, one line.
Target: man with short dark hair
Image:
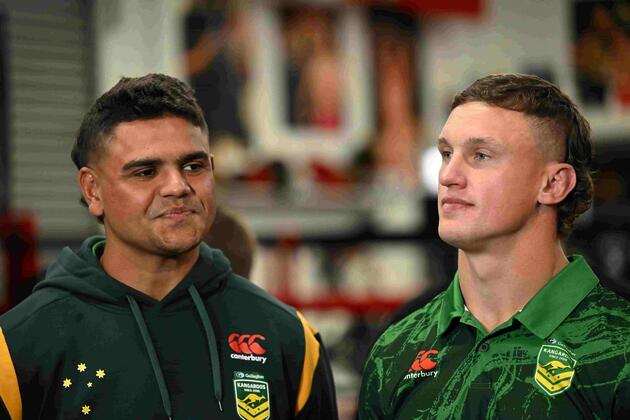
[(523, 331), (147, 322)]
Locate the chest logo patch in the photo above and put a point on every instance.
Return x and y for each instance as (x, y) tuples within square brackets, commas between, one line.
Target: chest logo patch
[(555, 368), (252, 399), (423, 365), (246, 343), (247, 347)]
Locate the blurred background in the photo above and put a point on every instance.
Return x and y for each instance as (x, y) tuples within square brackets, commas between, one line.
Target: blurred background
[(323, 117)]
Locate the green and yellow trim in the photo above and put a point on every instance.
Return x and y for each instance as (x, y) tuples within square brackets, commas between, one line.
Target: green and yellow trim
[(9, 388), (311, 358)]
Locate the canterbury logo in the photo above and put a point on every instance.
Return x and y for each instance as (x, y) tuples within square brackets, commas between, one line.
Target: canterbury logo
[(423, 362), (246, 343)]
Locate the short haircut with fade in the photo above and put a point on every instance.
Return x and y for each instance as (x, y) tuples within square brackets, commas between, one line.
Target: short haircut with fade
[(565, 130), (131, 99)]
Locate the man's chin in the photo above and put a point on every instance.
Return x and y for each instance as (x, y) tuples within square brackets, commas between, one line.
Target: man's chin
[(457, 239), (175, 248)]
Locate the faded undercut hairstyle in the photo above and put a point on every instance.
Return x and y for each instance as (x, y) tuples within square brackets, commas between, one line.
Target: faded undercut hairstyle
[(565, 132), (131, 99)]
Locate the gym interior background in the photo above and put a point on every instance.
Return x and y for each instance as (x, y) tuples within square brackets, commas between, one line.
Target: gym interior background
[(323, 117)]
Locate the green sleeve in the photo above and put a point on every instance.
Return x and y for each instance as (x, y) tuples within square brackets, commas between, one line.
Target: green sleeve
[(322, 403), (4, 413), (621, 404), (371, 395), (316, 395)]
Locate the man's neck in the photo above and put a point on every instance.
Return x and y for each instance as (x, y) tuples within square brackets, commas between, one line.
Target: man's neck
[(496, 285), (152, 275)]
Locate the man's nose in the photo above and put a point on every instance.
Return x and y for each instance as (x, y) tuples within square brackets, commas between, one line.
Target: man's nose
[(452, 173), (175, 184)]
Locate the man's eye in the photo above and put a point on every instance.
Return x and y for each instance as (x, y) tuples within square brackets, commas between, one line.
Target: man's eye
[(481, 156), (446, 154), (145, 173), (193, 167)]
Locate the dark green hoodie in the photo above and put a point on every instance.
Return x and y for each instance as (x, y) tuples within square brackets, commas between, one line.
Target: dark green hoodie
[(84, 345)]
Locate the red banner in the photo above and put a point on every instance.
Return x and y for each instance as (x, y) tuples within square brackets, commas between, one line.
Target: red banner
[(430, 7), (18, 236)]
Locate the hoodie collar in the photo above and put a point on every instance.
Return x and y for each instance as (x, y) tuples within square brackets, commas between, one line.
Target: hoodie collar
[(81, 273)]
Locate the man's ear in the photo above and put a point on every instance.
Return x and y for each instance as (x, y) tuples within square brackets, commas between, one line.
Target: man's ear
[(88, 183), (558, 182)]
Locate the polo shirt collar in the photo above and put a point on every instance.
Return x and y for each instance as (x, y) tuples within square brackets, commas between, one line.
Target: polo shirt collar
[(558, 298), (452, 306), (545, 311)]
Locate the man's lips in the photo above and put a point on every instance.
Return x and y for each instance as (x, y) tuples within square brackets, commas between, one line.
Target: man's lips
[(449, 200), (175, 212), (450, 203)]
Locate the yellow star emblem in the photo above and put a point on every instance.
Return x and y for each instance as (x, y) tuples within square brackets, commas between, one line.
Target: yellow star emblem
[(81, 367), (66, 383), (100, 374), (89, 384), (86, 409)]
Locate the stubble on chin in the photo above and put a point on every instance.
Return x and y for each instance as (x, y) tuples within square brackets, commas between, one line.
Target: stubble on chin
[(173, 249), (179, 240)]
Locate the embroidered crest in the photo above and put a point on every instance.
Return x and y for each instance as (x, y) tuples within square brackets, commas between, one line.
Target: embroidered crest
[(555, 368), (252, 399)]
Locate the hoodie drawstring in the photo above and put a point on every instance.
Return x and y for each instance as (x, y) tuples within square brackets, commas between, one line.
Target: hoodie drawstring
[(155, 363), (212, 344)]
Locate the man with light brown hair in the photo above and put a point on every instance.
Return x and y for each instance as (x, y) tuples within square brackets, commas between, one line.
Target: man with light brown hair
[(523, 331)]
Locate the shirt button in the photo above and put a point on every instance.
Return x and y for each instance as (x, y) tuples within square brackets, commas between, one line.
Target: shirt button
[(484, 347)]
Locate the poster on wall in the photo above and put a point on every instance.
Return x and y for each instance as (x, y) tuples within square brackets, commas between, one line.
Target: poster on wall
[(394, 37), (310, 93), (602, 53), (312, 66)]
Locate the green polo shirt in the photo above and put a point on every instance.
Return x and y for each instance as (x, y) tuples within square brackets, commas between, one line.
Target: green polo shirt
[(565, 355)]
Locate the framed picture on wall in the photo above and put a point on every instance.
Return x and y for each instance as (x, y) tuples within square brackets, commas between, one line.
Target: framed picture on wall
[(601, 59), (310, 93), (312, 66), (602, 53)]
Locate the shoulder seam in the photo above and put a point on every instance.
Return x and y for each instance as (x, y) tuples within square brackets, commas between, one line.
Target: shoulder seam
[(269, 299), (36, 311)]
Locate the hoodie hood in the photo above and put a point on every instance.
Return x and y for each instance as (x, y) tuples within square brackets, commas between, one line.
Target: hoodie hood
[(81, 274)]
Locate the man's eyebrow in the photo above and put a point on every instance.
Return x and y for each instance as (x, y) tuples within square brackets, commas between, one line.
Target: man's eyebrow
[(193, 156), (482, 141), (139, 163), (474, 141)]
